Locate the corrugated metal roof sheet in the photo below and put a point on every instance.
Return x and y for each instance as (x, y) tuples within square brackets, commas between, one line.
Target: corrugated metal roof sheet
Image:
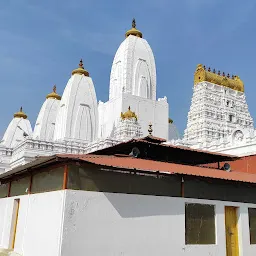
[(162, 167)]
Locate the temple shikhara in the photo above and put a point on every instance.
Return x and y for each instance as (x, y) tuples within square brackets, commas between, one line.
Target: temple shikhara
[(116, 178)]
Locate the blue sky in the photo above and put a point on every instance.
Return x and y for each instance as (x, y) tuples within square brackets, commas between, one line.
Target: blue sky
[(41, 42)]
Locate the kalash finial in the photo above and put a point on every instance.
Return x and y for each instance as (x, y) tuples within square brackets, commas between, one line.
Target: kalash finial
[(133, 31), (80, 70), (150, 130), (133, 23), (20, 114), (53, 94), (81, 65)]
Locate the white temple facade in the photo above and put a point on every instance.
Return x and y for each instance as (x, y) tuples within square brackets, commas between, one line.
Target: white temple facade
[(76, 123), (219, 119)]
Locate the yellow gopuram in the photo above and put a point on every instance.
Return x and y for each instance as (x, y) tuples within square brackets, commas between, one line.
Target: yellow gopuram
[(203, 75)]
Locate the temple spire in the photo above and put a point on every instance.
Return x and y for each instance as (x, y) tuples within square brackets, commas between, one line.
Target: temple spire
[(133, 31)]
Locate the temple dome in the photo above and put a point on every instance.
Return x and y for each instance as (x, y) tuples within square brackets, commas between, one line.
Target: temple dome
[(45, 123), (17, 131), (77, 117), (128, 114), (133, 70)]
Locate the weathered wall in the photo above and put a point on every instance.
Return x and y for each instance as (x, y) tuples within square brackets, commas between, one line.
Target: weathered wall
[(39, 224), (120, 224)]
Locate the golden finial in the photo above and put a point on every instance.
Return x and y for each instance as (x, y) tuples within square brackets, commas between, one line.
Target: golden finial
[(53, 94), (150, 130), (133, 31), (20, 114), (80, 70), (129, 114)]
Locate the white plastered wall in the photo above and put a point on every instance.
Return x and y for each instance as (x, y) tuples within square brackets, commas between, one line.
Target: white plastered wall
[(39, 226), (147, 110), (121, 224)]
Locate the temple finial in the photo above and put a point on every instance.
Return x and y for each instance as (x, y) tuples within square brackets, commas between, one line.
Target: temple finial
[(81, 65), (80, 70), (54, 88), (150, 130), (133, 23), (20, 114), (133, 31)]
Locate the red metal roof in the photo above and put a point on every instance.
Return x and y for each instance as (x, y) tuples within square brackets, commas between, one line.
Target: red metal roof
[(245, 164), (163, 167)]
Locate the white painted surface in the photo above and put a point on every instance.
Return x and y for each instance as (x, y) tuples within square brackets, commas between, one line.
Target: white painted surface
[(45, 123), (14, 133), (77, 118), (119, 224), (133, 70), (78, 122), (147, 110), (64, 223), (39, 226)]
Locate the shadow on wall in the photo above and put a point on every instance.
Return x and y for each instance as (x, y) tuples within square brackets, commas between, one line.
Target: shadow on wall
[(130, 205)]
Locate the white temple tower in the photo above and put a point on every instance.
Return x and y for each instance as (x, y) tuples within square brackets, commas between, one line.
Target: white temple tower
[(133, 83), (133, 70), (18, 129), (218, 111), (77, 118), (45, 123)]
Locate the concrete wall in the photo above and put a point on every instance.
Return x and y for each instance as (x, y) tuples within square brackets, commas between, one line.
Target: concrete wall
[(81, 222), (118, 224), (39, 226)]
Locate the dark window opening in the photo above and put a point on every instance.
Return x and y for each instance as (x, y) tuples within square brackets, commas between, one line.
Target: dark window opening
[(199, 224), (252, 224)]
